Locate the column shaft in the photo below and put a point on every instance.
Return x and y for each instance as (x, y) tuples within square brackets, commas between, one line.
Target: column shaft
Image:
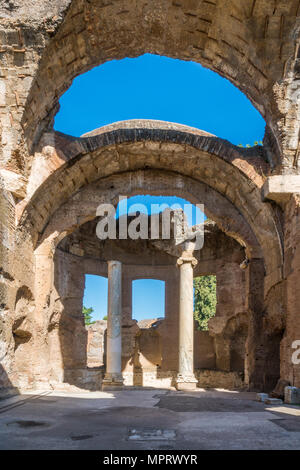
[(186, 322), (113, 374), (186, 378)]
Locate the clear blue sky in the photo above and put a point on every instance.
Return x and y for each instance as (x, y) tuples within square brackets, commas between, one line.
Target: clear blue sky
[(153, 87), (148, 297), (148, 205)]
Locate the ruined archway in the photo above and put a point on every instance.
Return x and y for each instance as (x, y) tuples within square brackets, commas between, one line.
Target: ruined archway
[(233, 174), (253, 43), (81, 252), (148, 157)]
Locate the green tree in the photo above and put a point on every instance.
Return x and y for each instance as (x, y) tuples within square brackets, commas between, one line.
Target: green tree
[(205, 300), (257, 142), (87, 313)]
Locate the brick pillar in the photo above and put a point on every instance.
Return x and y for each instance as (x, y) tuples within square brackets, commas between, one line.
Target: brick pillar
[(259, 376), (290, 370)]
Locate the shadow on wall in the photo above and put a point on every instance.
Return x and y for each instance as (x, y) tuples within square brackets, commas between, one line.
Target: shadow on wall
[(25, 357), (7, 389), (143, 363), (66, 328), (147, 353), (20, 345)]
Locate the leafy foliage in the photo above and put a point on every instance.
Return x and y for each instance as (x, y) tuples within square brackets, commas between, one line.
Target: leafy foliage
[(205, 300), (87, 313), (257, 142)]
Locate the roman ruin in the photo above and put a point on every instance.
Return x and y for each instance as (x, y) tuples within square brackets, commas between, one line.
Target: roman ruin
[(51, 185)]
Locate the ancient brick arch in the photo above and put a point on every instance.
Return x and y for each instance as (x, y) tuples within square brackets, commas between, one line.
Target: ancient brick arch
[(71, 176), (253, 43), (150, 182), (206, 169), (148, 157)]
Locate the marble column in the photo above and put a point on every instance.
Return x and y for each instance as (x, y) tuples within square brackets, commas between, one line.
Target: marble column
[(185, 378), (113, 377)]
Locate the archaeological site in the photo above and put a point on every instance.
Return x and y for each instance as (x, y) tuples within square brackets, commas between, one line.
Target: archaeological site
[(51, 185)]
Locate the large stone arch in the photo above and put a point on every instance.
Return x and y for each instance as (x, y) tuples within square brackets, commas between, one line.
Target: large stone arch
[(197, 161), (81, 207), (233, 38), (164, 159), (72, 176)]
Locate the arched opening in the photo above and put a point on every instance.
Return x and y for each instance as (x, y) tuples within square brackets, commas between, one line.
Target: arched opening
[(219, 38), (144, 88), (126, 159), (121, 156), (144, 258), (95, 317)]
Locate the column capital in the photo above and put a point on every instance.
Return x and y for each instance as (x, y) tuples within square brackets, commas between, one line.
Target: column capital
[(187, 259), (114, 261)]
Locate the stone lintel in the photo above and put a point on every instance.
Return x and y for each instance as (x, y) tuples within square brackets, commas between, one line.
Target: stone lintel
[(279, 188)]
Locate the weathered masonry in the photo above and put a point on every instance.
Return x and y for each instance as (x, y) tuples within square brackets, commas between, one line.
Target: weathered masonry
[(51, 185), (133, 353)]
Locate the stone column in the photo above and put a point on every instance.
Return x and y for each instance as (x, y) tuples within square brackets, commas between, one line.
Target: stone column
[(113, 377), (185, 377)]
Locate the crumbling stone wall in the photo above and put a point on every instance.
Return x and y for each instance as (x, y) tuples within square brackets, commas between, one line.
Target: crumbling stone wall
[(289, 370), (230, 312), (147, 347), (96, 343), (17, 324), (6, 279), (205, 157)]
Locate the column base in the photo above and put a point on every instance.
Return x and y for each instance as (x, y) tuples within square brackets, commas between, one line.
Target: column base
[(112, 381), (186, 382), (292, 395)]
